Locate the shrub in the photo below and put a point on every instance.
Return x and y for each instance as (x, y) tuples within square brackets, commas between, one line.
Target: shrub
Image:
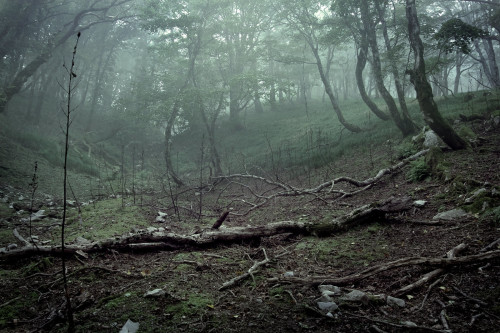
[(419, 170)]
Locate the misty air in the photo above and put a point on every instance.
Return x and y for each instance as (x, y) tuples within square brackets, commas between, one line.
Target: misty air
[(249, 166)]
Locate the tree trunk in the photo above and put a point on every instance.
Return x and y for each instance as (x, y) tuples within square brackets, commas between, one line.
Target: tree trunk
[(405, 125), (360, 66), (424, 91), (168, 144), (329, 92), (393, 65)]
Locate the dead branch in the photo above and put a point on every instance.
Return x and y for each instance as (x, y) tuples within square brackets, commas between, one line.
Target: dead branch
[(147, 241), (431, 275), (287, 190), (447, 263), (250, 272)]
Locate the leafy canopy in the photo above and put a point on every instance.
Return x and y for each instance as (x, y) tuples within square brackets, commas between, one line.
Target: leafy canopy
[(456, 34)]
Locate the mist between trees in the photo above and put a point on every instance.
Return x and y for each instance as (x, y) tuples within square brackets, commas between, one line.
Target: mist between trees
[(192, 90)]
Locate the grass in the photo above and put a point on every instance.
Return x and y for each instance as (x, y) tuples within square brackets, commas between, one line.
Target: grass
[(358, 247), (290, 138), (106, 220)]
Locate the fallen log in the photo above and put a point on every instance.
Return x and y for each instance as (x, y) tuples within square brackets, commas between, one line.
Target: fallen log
[(155, 241)]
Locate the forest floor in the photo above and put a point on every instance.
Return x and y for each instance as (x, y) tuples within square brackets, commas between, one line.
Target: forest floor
[(108, 288)]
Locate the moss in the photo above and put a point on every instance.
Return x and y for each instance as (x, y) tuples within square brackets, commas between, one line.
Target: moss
[(419, 170), (406, 149), (193, 305), (466, 133), (18, 309)]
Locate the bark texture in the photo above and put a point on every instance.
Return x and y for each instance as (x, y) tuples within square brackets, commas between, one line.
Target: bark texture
[(424, 90)]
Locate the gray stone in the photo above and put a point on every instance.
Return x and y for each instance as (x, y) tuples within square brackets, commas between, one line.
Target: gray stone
[(329, 289), (451, 215), (130, 327), (419, 203), (431, 139), (11, 246), (356, 296), (475, 195), (496, 121), (161, 219), (82, 241), (324, 298), (395, 301), (288, 274), (151, 229), (155, 293), (327, 306)]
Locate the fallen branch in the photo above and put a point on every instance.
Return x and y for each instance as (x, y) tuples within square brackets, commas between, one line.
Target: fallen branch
[(412, 261), (286, 190), (250, 272), (431, 275), (170, 241)]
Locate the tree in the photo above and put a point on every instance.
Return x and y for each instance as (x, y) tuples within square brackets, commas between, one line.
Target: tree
[(424, 91), (302, 19), (55, 28)]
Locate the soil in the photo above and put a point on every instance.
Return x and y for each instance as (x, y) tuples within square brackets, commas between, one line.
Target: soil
[(108, 287)]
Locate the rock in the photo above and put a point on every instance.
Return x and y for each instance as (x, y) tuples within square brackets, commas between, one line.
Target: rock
[(82, 241), (151, 229), (11, 246), (161, 229), (288, 274), (40, 215), (328, 287), (450, 215), (356, 296), (409, 323), (419, 203), (161, 217), (155, 293), (130, 327), (21, 198), (431, 139), (327, 306), (496, 121), (475, 195), (324, 298), (395, 301)]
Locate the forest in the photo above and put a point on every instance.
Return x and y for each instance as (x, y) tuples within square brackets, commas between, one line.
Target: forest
[(249, 166)]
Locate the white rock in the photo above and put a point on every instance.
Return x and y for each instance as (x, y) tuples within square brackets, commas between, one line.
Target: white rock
[(155, 293), (288, 274), (330, 288), (130, 327), (419, 203), (151, 229)]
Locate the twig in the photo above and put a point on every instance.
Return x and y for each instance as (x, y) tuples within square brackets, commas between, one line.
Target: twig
[(428, 293), (402, 325), (478, 301), (490, 246), (444, 322), (250, 272), (10, 301), (433, 274)]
